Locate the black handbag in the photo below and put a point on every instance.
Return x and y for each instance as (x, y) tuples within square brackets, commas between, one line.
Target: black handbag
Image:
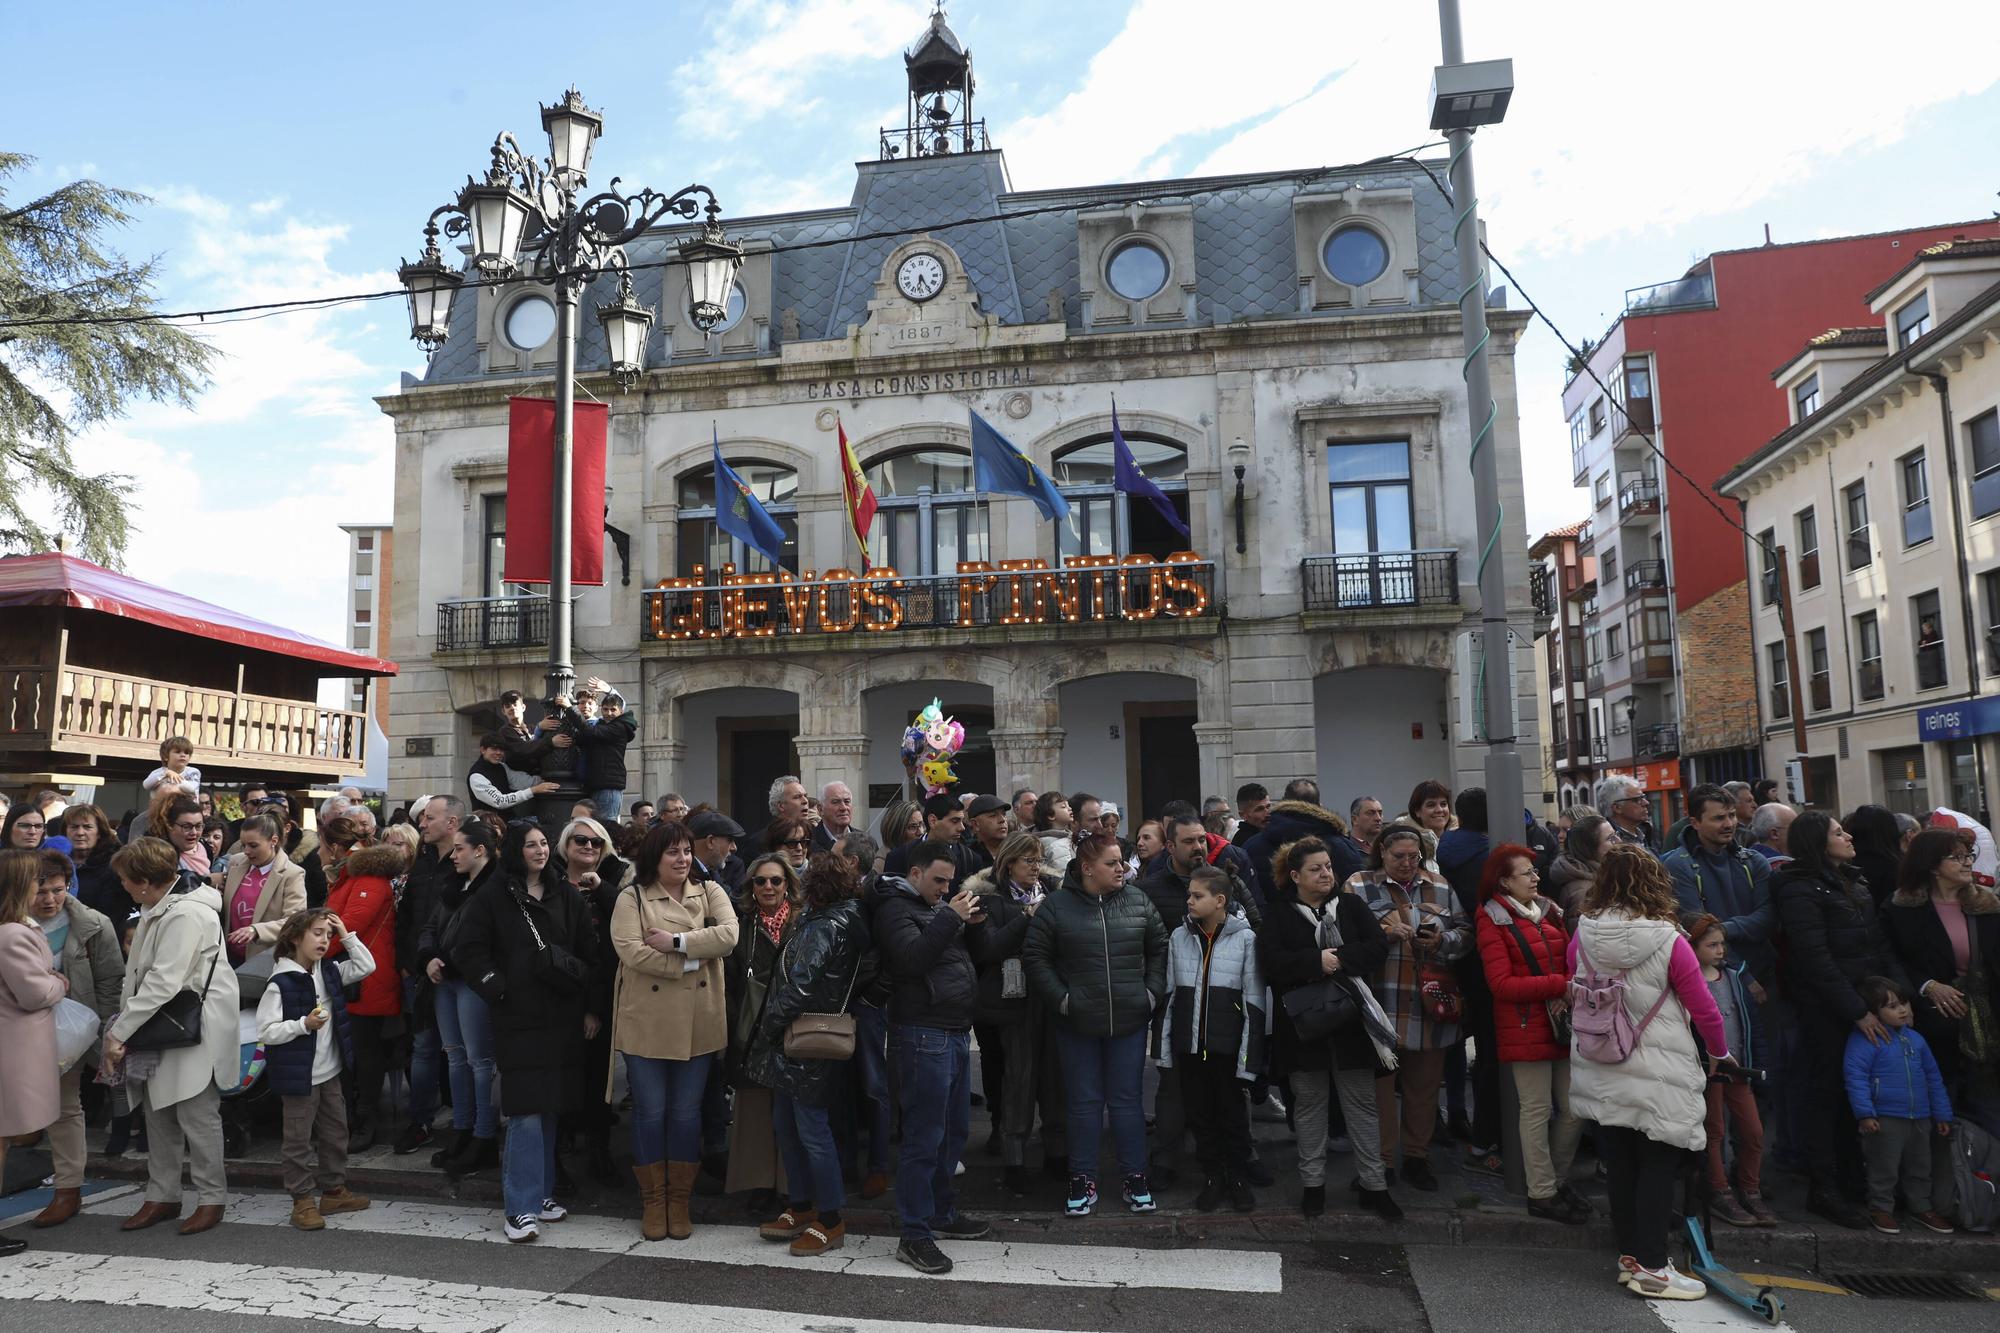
[(176, 1023), (1321, 1008)]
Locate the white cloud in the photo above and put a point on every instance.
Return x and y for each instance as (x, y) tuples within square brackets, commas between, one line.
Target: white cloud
[(760, 51)]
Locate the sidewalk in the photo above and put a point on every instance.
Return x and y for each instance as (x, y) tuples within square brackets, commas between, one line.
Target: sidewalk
[(1468, 1208)]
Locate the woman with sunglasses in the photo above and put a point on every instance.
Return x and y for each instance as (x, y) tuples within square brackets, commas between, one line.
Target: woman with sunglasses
[(585, 853), (1939, 923), (767, 916), (791, 839)]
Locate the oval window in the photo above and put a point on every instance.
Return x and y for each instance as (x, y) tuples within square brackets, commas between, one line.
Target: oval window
[(531, 321), (1137, 270), (1356, 256), (732, 313)]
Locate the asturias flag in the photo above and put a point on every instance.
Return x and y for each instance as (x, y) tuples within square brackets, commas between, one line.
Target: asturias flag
[(738, 513), (860, 495), (997, 466), (1128, 478)]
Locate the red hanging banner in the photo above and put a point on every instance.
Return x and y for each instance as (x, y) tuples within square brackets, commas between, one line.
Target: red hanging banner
[(531, 448)]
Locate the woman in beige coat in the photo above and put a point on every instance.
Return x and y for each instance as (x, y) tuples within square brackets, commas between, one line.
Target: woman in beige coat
[(263, 887), (177, 947), (669, 1016), (30, 987), (88, 956)]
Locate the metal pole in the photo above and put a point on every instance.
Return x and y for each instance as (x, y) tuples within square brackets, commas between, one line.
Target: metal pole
[(1504, 787), (562, 672)]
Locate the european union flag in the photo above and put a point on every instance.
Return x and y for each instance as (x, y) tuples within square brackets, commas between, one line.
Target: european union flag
[(738, 513), (997, 466), (1127, 477)]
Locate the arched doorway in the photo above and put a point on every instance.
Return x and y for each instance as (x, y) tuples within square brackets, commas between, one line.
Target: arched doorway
[(1129, 737), (738, 740), (888, 709)]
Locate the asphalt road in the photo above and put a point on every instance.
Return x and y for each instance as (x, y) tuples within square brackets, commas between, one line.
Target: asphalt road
[(440, 1267)]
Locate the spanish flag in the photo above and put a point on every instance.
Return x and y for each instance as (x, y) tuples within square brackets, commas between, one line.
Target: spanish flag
[(860, 495)]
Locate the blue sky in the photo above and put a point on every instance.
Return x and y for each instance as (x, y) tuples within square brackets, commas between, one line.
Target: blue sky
[(292, 152)]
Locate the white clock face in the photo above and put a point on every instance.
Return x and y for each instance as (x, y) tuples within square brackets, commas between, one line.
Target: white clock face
[(920, 277)]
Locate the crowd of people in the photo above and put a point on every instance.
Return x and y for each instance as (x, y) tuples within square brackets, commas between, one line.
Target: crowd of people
[(793, 1010)]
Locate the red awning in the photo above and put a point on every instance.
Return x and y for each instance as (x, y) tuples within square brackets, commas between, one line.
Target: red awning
[(64, 580)]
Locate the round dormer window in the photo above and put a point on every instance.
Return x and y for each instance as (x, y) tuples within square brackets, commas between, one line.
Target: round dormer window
[(531, 321), (1138, 270), (1355, 255)]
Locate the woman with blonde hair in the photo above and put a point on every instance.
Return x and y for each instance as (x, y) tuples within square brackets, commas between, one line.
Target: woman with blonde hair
[(1651, 1105), (767, 915), (30, 987), (1010, 891)]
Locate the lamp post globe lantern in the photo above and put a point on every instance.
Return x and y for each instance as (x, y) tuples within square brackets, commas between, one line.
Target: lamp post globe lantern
[(712, 264), (627, 324), (431, 287), (497, 214), (573, 129)]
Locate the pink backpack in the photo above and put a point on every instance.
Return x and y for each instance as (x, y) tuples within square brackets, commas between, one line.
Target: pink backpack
[(1600, 1025)]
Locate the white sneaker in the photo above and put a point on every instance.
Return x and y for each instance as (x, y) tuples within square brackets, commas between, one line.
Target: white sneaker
[(553, 1211), (1667, 1284), (523, 1228), (1627, 1266)]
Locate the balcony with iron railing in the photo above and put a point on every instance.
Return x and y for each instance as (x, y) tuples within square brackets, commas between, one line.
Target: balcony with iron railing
[(1380, 580), (742, 613), (1639, 497), (1540, 592), (1586, 536), (1642, 575), (492, 622), (1661, 740)]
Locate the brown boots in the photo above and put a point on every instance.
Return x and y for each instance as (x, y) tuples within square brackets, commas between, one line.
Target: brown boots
[(652, 1180), (61, 1208), (680, 1184)]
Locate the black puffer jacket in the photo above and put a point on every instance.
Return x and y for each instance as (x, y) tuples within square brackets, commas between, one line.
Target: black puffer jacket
[(604, 743), (1288, 950), (1099, 963), (1832, 941), (928, 954), (429, 874), (1292, 820), (1006, 935), (813, 976), (538, 981)]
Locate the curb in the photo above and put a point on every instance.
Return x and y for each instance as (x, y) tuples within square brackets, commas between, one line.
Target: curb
[(1789, 1244)]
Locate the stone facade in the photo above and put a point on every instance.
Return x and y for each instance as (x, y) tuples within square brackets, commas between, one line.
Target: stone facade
[(1350, 678)]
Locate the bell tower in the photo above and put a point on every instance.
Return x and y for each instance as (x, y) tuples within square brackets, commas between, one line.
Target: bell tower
[(939, 103)]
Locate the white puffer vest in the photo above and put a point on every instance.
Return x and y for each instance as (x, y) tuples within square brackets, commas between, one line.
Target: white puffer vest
[(1659, 1089)]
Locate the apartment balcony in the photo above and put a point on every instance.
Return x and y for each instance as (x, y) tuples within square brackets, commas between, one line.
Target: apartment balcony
[(1641, 497), (78, 715), (1403, 582), (1651, 662), (1635, 416), (1586, 536), (492, 622), (1661, 740), (1540, 592), (1646, 575), (1696, 291), (1020, 600)]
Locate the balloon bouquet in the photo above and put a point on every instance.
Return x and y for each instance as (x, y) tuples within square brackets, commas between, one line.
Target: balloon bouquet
[(928, 747)]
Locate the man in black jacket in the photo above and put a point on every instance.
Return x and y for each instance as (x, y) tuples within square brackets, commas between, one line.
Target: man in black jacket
[(604, 743), (437, 820), (922, 930)]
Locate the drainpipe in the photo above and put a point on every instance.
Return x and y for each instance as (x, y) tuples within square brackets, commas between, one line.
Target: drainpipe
[(1965, 589)]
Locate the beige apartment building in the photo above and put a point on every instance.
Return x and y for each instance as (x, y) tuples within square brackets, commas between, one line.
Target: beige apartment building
[(1885, 495)]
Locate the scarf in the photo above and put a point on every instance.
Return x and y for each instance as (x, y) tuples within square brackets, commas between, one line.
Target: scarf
[(1028, 897), (1526, 911), (773, 923), (1373, 1020), (195, 858)]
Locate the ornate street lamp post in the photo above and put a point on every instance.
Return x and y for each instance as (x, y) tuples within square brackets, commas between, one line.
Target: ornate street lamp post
[(532, 217)]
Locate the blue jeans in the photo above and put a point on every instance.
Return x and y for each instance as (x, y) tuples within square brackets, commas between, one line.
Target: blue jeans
[(610, 803), (934, 1068), (805, 1141), (1101, 1073), (465, 1028), (528, 1167), (666, 1107), (424, 1060), (871, 1062)]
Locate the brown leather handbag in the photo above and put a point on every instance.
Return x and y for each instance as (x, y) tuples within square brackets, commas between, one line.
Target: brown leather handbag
[(824, 1036)]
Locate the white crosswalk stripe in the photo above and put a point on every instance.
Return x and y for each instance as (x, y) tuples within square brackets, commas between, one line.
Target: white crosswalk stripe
[(376, 1300), (1005, 1262)]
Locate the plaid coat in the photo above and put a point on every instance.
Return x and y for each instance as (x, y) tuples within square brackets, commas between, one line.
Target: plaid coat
[(1427, 900)]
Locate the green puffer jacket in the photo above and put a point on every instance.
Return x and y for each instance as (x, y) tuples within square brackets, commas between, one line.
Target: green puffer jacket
[(813, 977), (1100, 963)]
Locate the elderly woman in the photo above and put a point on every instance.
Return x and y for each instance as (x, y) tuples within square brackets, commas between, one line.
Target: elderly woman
[(1426, 930), (85, 947), (176, 948), (92, 840), (1940, 924), (767, 916), (262, 888), (30, 987)]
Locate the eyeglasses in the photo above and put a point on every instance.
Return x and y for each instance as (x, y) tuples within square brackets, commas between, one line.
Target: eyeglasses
[(186, 826), (768, 881), (796, 842), (32, 825), (585, 840), (1963, 858)]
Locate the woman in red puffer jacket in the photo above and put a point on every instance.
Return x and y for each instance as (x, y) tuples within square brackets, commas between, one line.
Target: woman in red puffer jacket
[(364, 898), (1524, 948)]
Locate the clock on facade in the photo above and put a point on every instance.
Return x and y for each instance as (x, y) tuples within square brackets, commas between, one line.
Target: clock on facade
[(921, 276)]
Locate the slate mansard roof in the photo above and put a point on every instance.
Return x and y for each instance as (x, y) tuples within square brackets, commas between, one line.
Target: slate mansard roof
[(1243, 236)]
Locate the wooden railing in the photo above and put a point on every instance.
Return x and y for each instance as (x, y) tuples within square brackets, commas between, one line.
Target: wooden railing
[(104, 710)]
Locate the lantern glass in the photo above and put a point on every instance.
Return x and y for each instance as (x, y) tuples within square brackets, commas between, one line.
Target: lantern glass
[(626, 325), (430, 286), (573, 129), (499, 215), (712, 264)]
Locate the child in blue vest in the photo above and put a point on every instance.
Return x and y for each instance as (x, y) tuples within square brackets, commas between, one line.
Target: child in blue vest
[(1903, 1113), (302, 1021)]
